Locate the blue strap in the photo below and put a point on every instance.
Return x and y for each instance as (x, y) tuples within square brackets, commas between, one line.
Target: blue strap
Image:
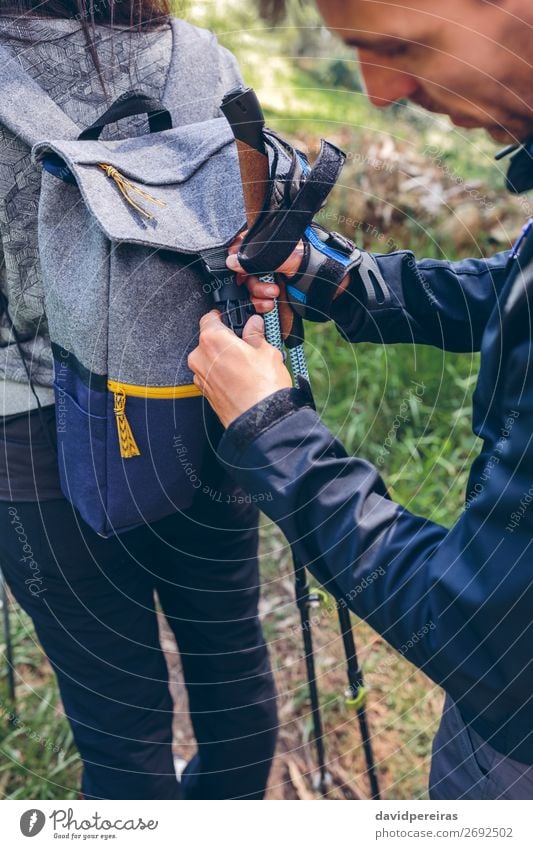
[(320, 246), (58, 168)]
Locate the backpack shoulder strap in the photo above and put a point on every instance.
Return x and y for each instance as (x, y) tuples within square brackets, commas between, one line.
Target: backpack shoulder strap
[(192, 90), (26, 109)]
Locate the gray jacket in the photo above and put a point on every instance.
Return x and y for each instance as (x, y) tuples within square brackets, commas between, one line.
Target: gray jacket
[(54, 52)]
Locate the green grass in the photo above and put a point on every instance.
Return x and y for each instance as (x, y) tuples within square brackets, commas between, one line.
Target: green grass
[(362, 390), (38, 759)]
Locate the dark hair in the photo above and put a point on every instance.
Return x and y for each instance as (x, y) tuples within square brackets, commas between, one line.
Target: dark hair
[(141, 14)]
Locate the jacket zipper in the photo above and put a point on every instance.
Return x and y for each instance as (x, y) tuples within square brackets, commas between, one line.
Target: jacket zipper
[(126, 439)]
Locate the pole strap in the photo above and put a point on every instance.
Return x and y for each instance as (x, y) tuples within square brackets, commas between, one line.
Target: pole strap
[(296, 193)]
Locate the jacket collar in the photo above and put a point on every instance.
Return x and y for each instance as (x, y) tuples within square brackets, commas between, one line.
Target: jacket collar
[(520, 173)]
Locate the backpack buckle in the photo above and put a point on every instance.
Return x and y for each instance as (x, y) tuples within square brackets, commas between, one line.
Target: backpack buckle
[(340, 243), (229, 298)]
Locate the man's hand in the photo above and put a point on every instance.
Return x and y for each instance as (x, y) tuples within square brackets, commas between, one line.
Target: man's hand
[(235, 374)]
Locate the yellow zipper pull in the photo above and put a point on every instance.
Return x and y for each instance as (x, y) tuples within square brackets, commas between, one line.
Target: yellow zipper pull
[(128, 446)]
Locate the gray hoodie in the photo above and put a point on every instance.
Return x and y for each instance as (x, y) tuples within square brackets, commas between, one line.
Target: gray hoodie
[(55, 53)]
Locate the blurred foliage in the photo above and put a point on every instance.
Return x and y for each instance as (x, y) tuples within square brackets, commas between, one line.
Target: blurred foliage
[(337, 72)]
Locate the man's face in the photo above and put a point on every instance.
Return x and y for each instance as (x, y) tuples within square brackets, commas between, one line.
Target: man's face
[(470, 59)]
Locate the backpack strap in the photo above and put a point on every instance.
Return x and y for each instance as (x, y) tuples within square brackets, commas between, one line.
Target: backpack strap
[(193, 90), (26, 109), (129, 104), (295, 195)]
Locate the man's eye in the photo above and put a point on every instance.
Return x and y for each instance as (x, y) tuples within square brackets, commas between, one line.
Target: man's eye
[(392, 49), (397, 50)]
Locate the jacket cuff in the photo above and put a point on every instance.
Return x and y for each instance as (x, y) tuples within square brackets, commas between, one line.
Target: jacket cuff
[(363, 312), (251, 424), (349, 309)]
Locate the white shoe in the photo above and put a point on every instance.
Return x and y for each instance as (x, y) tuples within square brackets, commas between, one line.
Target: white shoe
[(179, 766)]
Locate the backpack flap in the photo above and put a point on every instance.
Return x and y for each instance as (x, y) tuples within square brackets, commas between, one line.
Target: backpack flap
[(120, 264), (179, 189), (120, 226)]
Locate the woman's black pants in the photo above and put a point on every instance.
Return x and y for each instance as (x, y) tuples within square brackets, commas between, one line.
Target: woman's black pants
[(93, 603)]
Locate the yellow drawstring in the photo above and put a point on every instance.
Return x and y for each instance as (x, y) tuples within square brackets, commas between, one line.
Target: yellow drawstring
[(125, 184)]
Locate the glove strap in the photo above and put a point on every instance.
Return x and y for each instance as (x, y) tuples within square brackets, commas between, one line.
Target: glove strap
[(328, 259), (296, 195)]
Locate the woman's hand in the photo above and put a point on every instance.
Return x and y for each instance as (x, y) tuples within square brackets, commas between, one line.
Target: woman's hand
[(235, 374), (262, 294)]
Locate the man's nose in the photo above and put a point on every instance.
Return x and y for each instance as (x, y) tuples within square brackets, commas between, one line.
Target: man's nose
[(384, 84)]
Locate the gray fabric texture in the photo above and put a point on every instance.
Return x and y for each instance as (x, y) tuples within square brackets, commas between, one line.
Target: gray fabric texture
[(17, 397), (178, 64)]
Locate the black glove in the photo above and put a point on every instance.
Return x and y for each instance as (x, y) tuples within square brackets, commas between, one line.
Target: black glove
[(328, 259)]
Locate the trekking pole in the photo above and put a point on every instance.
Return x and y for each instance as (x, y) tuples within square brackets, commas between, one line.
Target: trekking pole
[(4, 601), (245, 116), (356, 693), (243, 111), (230, 299), (356, 697)]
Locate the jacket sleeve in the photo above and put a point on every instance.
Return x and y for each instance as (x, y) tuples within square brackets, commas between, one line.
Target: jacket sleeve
[(454, 602), (444, 304)]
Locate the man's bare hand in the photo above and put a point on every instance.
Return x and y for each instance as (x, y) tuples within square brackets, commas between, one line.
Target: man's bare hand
[(235, 374)]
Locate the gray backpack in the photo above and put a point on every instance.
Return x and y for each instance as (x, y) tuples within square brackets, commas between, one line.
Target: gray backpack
[(126, 230)]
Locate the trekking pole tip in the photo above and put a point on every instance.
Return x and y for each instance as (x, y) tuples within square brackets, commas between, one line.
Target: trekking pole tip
[(322, 782)]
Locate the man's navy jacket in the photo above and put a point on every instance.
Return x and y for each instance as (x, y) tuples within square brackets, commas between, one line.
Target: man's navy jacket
[(469, 587)]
